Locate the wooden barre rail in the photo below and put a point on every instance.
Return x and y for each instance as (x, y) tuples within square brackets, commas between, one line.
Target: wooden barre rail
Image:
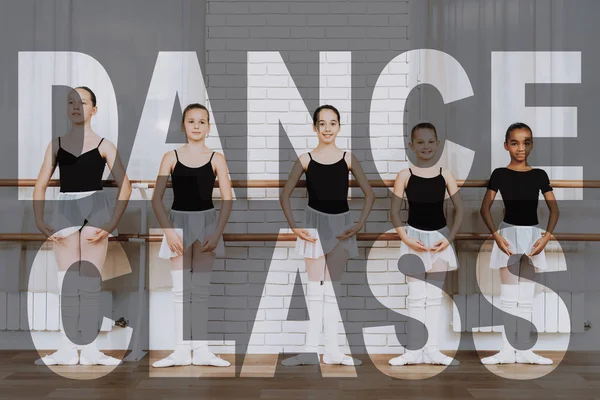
[(268, 183), (290, 237)]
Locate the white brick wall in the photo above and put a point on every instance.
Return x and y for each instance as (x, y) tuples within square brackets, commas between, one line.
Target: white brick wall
[(293, 48), (288, 57)]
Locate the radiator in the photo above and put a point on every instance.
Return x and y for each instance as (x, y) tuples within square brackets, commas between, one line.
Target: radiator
[(25, 311), (39, 308), (30, 301), (547, 314)]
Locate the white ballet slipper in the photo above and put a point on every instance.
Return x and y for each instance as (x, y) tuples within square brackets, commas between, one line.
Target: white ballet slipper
[(410, 357), (438, 358), (529, 357), (175, 359), (97, 358), (505, 356), (209, 359), (301, 359), (59, 358), (342, 359)]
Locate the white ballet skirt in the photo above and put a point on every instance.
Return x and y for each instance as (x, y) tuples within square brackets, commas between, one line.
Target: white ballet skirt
[(521, 240), (73, 208), (429, 238), (325, 227), (192, 226)]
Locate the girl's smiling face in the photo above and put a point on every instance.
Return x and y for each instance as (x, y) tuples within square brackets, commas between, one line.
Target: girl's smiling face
[(327, 126), (196, 124), (424, 143), (519, 144)]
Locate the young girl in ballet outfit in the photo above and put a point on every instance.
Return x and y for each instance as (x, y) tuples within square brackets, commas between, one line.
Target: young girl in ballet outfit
[(518, 235), (330, 237), (193, 233), (426, 236), (81, 223)]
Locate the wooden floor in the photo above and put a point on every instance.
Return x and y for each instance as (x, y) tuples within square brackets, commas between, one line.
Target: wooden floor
[(576, 378)]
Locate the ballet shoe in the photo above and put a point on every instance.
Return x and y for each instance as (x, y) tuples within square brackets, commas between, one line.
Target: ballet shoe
[(506, 356), (96, 357), (341, 359), (529, 357), (438, 358), (175, 359), (61, 357), (301, 359), (207, 358), (410, 357)]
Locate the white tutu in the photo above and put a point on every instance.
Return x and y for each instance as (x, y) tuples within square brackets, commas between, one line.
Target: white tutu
[(73, 208), (192, 226), (325, 227), (521, 240), (429, 238)]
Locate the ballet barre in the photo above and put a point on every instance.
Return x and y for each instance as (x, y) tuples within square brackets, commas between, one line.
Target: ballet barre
[(274, 183), (290, 237), (137, 351)]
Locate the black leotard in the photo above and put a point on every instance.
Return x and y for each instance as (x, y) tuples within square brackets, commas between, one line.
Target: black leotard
[(81, 173), (192, 187), (426, 202), (327, 186), (520, 191)]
